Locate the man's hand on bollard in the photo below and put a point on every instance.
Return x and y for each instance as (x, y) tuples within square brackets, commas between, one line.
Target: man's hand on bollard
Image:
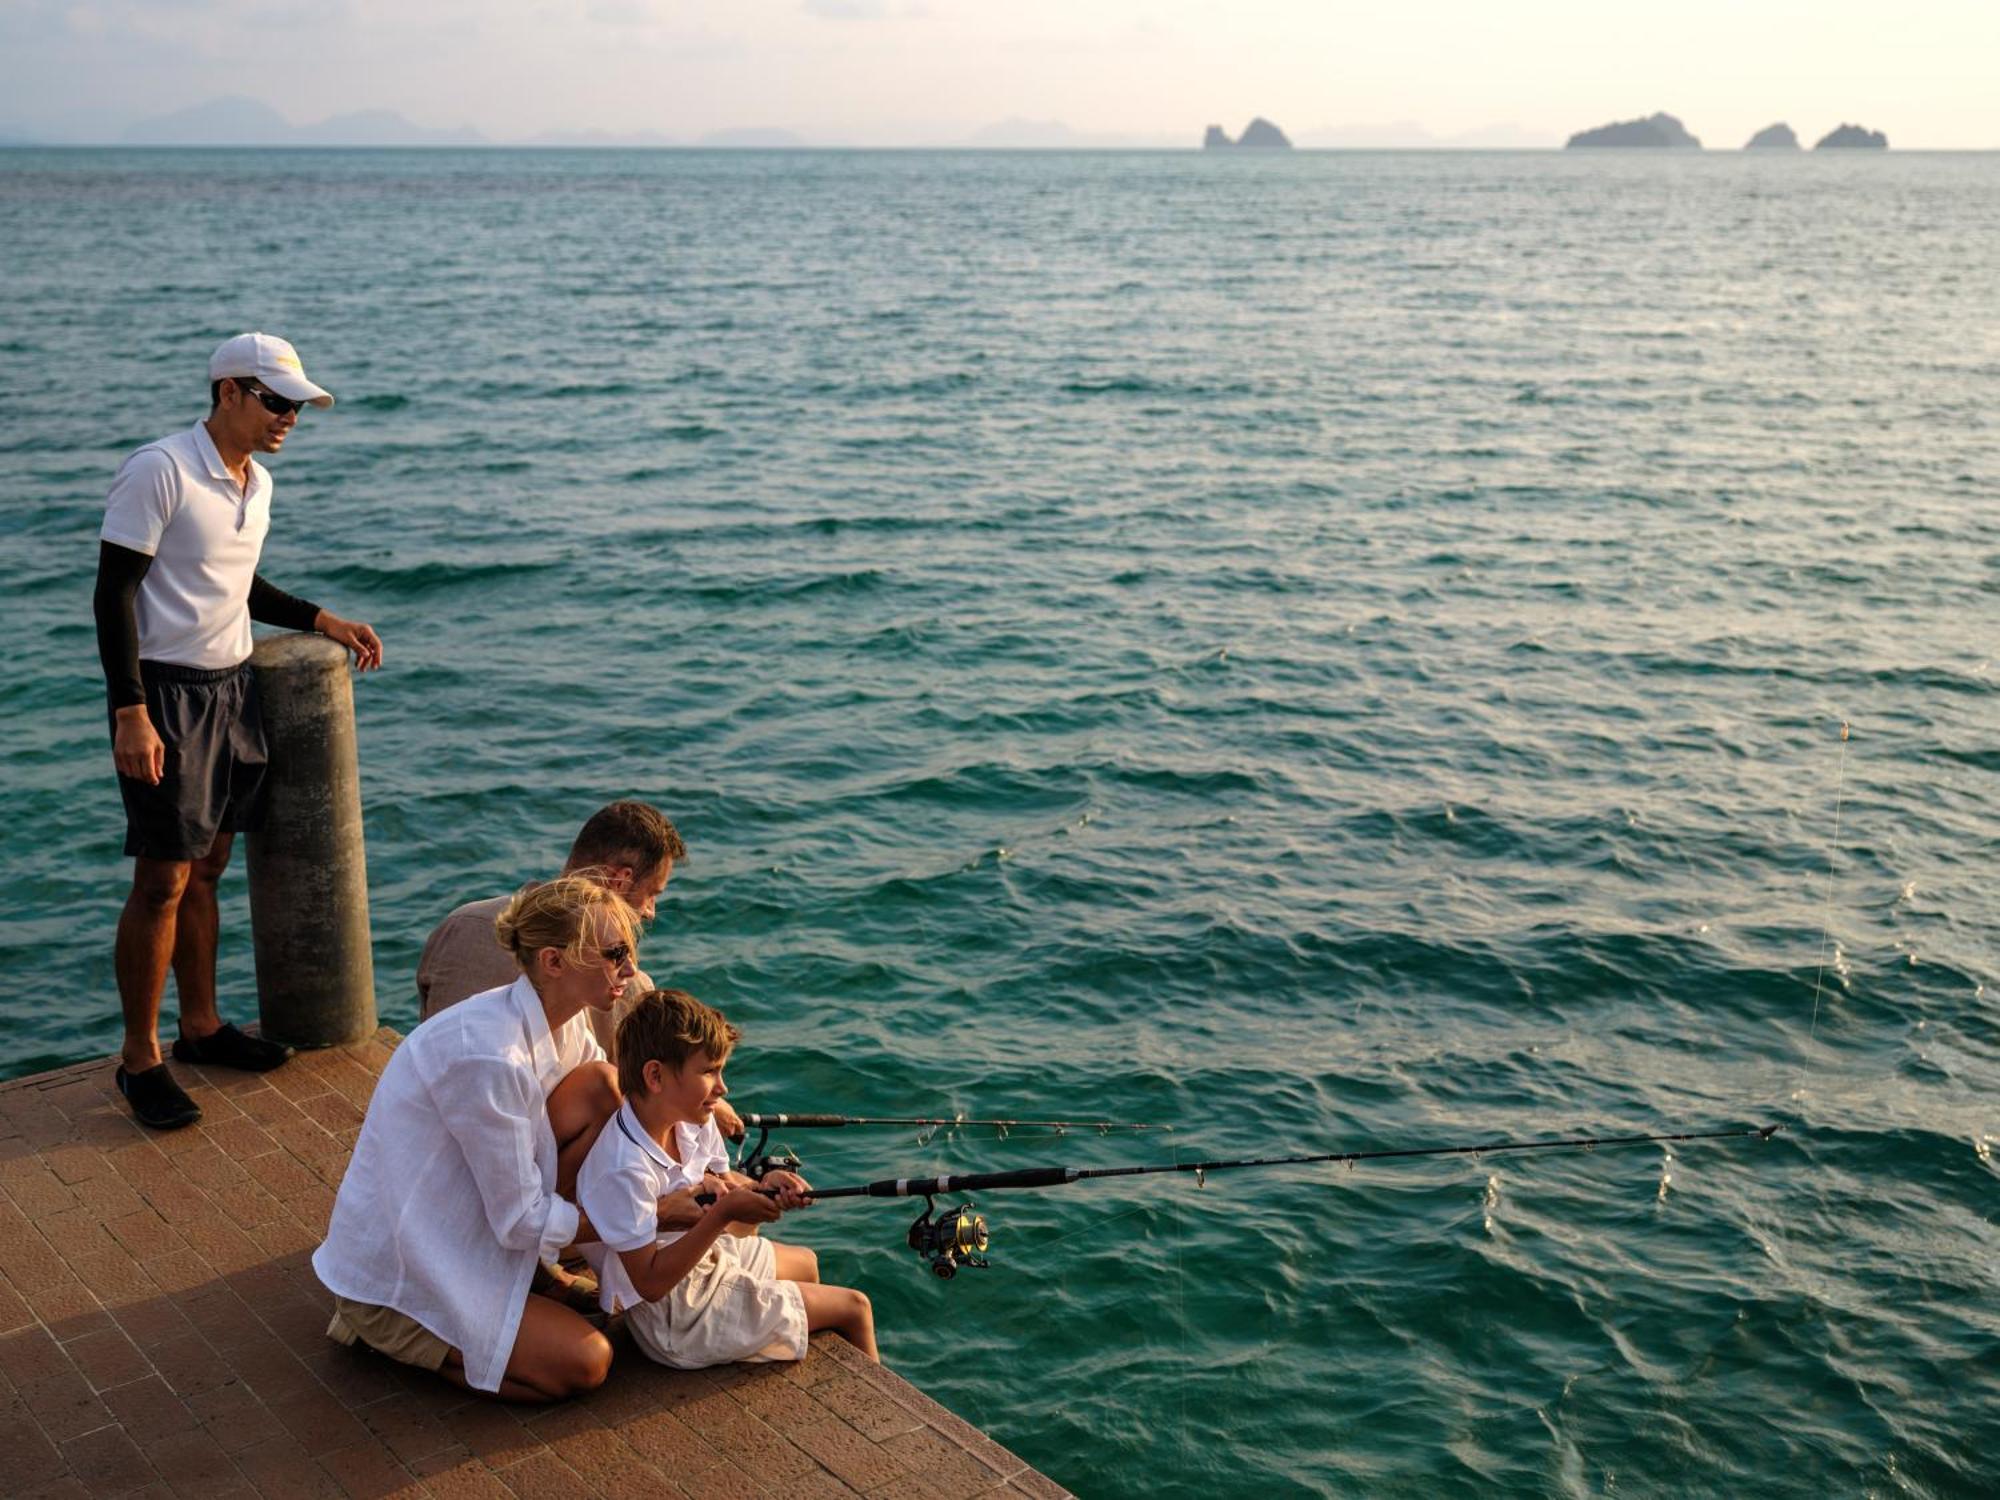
[(356, 637)]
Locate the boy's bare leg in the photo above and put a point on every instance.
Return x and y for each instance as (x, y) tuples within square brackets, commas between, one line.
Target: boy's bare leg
[(579, 1107), (795, 1262), (556, 1355), (846, 1311)]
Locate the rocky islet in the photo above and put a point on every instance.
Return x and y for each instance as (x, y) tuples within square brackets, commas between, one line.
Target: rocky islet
[(1852, 137), (1664, 130), (1779, 137), (1259, 135), (1655, 130)]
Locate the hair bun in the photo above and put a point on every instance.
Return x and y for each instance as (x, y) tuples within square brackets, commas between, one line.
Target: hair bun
[(555, 914)]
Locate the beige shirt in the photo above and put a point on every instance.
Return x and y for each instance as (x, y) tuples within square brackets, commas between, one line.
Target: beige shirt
[(463, 957)]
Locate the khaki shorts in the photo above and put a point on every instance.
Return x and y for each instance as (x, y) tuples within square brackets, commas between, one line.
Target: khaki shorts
[(731, 1307), (386, 1331)]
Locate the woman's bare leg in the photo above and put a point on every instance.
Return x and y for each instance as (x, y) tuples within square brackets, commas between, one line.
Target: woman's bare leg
[(453, 1369), (556, 1354)]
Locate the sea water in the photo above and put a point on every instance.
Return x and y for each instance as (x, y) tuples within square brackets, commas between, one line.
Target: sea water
[(1328, 652)]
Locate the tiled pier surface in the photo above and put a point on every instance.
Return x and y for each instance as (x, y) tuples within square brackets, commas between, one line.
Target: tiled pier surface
[(161, 1333)]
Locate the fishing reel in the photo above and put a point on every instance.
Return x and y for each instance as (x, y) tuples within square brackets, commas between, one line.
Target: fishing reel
[(759, 1160), (949, 1238)]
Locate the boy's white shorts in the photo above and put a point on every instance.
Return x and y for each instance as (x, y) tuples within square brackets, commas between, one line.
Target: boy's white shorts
[(730, 1308)]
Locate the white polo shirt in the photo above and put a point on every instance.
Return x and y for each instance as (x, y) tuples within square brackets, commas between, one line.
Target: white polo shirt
[(174, 501), (620, 1185)]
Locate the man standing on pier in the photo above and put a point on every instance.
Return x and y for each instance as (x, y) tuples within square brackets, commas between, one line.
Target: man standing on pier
[(177, 588)]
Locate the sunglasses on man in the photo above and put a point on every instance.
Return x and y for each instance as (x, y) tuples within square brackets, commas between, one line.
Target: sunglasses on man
[(276, 405)]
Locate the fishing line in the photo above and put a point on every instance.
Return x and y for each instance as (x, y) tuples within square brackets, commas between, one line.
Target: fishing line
[(1180, 1314), (1096, 1224), (1826, 919), (1041, 1177), (956, 1235)]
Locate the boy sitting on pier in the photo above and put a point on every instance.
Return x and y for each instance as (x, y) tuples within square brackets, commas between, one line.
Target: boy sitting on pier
[(716, 1293)]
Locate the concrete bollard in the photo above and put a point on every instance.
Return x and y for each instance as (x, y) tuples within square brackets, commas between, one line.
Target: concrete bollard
[(308, 873)]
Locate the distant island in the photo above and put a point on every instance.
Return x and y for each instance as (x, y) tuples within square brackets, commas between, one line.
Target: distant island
[(597, 140), (1853, 137), (236, 120), (242, 121), (1259, 135), (1777, 137), (1654, 130), (1664, 130), (239, 121), (754, 138)]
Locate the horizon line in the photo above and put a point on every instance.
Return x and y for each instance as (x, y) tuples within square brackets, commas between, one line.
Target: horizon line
[(961, 146)]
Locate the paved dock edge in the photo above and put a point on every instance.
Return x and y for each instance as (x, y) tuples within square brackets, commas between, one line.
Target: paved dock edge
[(161, 1331)]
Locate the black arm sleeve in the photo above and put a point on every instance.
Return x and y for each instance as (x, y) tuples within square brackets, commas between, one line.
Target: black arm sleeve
[(270, 605), (119, 570)]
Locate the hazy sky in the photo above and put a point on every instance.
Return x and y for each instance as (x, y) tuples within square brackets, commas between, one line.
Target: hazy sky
[(904, 71)]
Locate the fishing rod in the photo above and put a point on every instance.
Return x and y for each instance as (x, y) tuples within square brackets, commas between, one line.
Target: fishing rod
[(957, 1234), (758, 1159)]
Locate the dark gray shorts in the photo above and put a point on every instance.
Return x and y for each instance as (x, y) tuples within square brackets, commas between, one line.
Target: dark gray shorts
[(214, 777)]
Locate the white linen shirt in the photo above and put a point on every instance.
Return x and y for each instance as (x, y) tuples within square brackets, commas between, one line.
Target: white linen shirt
[(624, 1178), (174, 501), (450, 1202)]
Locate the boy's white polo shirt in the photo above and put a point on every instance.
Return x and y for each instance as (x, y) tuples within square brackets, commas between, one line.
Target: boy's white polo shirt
[(174, 501), (620, 1186)]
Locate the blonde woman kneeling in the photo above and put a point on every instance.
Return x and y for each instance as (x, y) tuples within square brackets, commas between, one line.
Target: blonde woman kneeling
[(463, 1180)]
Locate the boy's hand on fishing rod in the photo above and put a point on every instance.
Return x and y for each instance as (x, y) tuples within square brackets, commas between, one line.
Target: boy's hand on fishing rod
[(748, 1205), (715, 1186), (680, 1210), (791, 1188)]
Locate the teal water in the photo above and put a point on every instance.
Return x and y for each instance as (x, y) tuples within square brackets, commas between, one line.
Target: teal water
[(1332, 652)]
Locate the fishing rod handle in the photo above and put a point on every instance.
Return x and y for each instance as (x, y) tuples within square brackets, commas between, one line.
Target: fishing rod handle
[(794, 1122)]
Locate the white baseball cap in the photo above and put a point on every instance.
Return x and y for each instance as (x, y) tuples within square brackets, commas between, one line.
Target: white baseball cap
[(266, 358)]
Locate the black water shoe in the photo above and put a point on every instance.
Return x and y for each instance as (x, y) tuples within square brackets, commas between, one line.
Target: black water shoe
[(156, 1100), (226, 1047)]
